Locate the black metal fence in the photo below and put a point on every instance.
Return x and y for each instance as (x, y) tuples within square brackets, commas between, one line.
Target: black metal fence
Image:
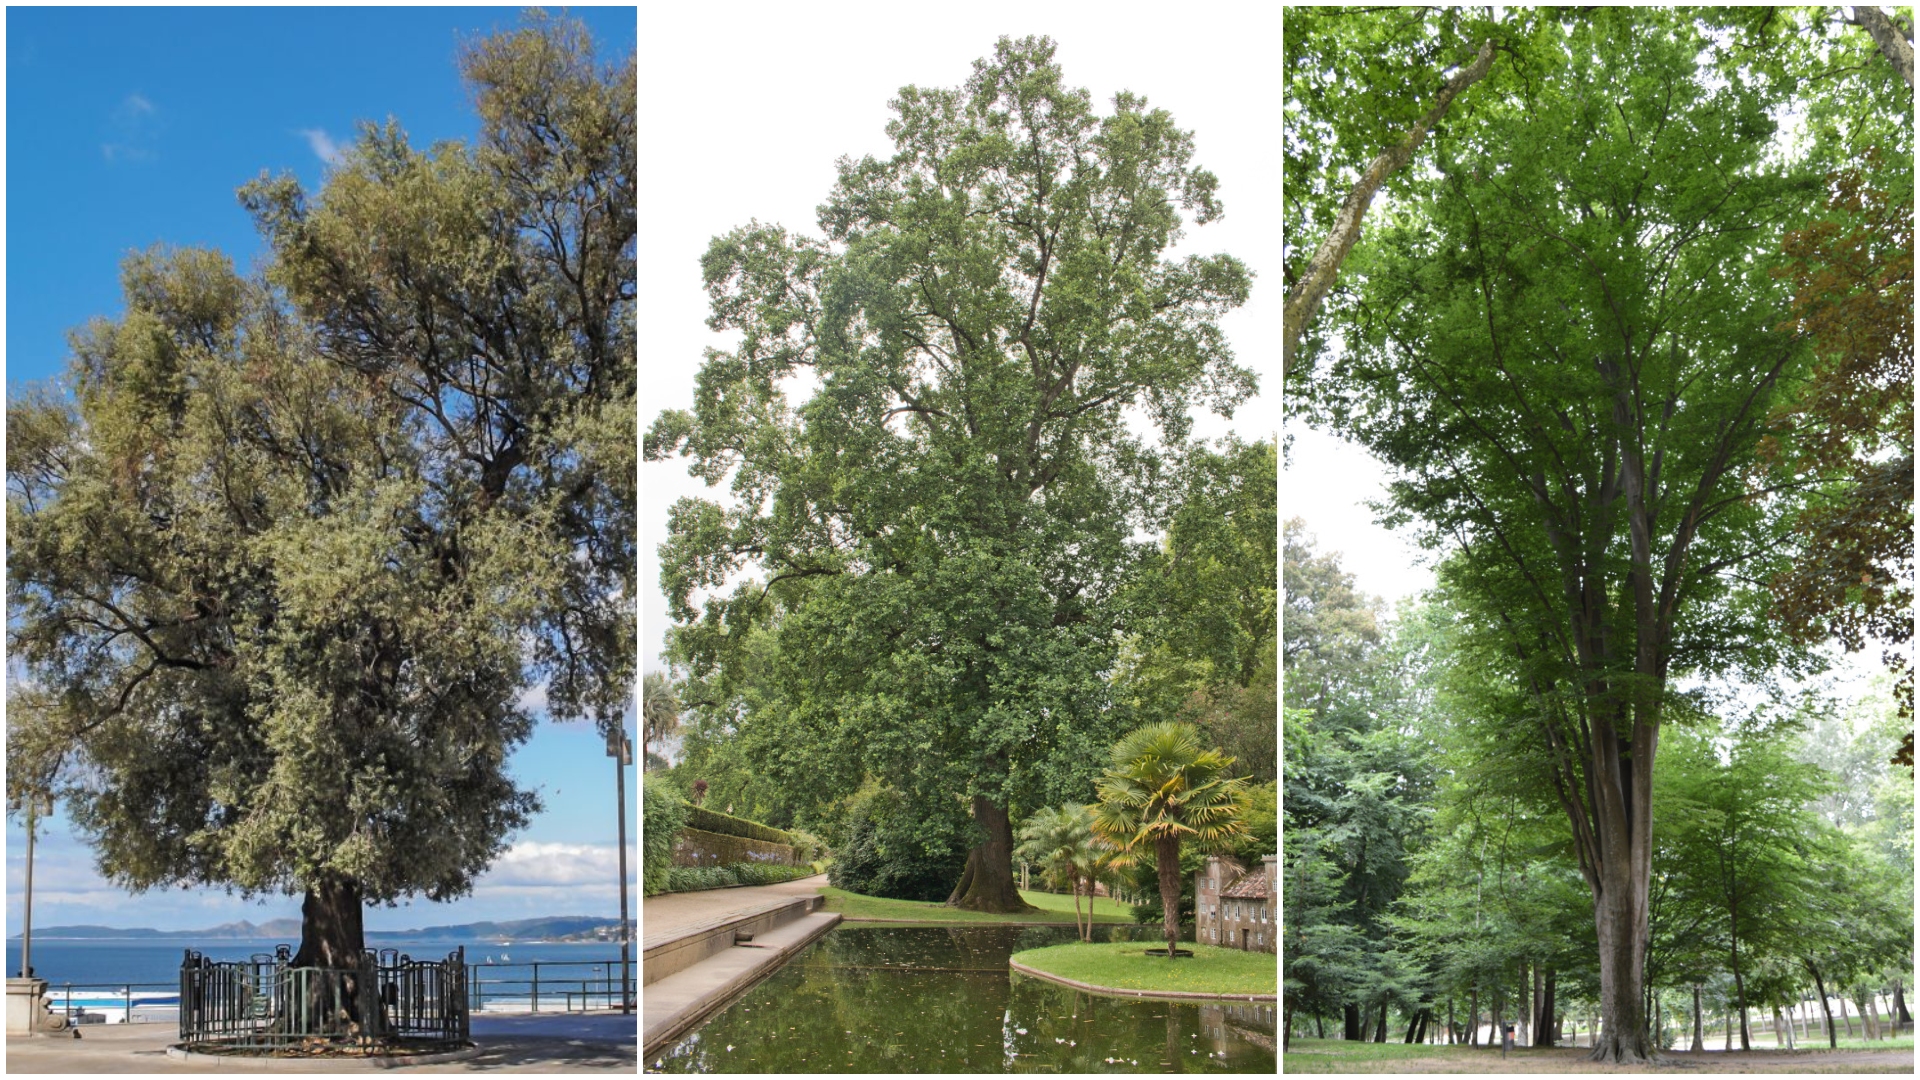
[(266, 1001)]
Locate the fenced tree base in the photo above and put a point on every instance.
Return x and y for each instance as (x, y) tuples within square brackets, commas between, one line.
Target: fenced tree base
[(325, 1048), (267, 1006)]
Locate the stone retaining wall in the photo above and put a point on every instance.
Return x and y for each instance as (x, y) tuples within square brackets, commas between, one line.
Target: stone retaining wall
[(698, 847)]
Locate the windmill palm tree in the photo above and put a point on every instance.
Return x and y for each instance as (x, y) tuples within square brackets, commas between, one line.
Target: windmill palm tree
[(1061, 840), (1163, 790), (659, 709)]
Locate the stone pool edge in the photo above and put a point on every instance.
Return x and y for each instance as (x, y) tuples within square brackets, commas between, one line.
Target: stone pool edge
[(1174, 995), (712, 984)]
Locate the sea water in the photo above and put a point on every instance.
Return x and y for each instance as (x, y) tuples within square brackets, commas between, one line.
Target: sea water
[(96, 967)]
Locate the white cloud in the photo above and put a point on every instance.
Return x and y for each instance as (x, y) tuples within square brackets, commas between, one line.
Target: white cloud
[(539, 864), (322, 145), (136, 124), (534, 698)]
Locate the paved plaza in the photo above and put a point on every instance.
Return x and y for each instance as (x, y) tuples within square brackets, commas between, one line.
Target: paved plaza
[(509, 1042)]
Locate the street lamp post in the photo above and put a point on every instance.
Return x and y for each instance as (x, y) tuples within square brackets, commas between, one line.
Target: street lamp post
[(26, 993), (620, 749), (35, 800)]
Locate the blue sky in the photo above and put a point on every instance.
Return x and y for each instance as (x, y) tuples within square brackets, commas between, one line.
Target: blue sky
[(127, 127)]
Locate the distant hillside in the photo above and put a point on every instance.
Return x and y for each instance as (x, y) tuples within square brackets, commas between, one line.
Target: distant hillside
[(549, 928)]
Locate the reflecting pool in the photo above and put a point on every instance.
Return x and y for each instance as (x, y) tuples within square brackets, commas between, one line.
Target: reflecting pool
[(873, 997)]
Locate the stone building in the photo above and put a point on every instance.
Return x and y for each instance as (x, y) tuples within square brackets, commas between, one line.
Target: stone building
[(1237, 909)]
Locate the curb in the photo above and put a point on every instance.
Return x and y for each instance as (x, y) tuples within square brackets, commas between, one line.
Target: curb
[(263, 1063), (1175, 995)]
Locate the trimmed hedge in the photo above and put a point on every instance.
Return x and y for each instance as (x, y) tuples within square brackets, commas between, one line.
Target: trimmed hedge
[(698, 847), (699, 817), (696, 878)]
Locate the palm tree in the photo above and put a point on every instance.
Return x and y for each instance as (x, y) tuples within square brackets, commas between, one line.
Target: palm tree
[(1164, 789), (659, 708), (1061, 840)]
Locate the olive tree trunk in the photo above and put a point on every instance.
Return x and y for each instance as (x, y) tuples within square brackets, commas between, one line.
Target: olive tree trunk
[(331, 937)]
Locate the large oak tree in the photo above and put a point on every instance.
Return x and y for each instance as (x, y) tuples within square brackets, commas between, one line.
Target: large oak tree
[(939, 530)]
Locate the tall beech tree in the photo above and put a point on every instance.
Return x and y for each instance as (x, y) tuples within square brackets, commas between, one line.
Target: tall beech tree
[(940, 529), (285, 566), (1570, 354)]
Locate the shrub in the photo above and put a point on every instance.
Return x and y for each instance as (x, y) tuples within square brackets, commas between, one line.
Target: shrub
[(806, 846), (893, 849), (697, 878), (664, 814)]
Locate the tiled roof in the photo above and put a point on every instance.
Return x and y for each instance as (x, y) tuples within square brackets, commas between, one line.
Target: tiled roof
[(1251, 887)]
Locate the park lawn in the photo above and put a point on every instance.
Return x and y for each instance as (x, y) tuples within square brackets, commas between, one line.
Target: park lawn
[(1306, 1055), (1124, 965), (1053, 909)]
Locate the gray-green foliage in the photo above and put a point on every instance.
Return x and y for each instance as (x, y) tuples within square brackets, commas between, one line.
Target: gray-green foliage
[(285, 566), (939, 532)]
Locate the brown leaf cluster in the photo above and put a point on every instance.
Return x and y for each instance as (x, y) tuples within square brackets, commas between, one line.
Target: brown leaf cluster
[(1851, 426)]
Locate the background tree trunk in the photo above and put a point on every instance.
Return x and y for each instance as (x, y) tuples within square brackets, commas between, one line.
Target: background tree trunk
[(1380, 1030), (1351, 1032), (1833, 1042), (1536, 1022), (1549, 1014), (1698, 1046), (988, 884)]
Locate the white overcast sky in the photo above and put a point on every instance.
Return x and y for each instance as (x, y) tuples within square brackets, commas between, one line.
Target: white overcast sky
[(747, 106)]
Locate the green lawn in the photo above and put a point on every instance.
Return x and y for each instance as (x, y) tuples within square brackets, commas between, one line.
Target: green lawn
[(1124, 965), (1053, 909), (1309, 1055)]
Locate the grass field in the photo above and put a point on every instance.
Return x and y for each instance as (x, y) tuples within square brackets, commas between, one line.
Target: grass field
[(1053, 908), (1125, 965), (1336, 1056)]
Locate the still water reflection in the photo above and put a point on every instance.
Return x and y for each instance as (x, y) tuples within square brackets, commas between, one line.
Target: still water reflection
[(870, 998)]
